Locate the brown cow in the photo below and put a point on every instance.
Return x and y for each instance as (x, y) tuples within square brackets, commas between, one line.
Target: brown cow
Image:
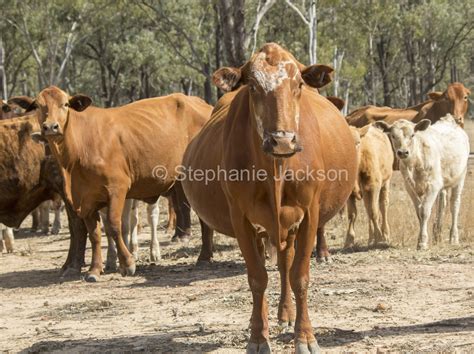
[(29, 177), (373, 185), (108, 155), (454, 100), (278, 127)]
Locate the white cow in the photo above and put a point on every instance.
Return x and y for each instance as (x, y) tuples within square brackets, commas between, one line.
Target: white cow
[(433, 159)]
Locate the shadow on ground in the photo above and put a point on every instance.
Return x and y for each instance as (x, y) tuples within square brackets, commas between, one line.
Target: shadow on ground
[(165, 342)]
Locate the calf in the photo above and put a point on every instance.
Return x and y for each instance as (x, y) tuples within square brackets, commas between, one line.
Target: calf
[(433, 159), (373, 184)]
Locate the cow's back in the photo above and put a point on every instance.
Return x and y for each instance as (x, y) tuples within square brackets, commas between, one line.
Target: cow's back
[(450, 144), (142, 137)]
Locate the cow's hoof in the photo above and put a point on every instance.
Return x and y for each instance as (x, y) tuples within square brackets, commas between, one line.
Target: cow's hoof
[(55, 231), (155, 257), (91, 278), (111, 266), (382, 245), (324, 259), (284, 325), (422, 247), (70, 272), (255, 348), (307, 348), (128, 271)]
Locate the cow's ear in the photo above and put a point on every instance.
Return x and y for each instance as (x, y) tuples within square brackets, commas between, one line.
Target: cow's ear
[(25, 102), (317, 76), (38, 138), (422, 125), (79, 102), (227, 79), (435, 95), (383, 126), (338, 102), (364, 130)]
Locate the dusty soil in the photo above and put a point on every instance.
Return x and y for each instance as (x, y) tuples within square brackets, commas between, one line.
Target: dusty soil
[(396, 299)]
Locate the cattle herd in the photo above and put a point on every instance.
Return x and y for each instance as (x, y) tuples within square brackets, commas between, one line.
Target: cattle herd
[(284, 162)]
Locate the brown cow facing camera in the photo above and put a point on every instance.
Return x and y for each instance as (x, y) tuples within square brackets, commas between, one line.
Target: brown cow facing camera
[(109, 155), (276, 124)]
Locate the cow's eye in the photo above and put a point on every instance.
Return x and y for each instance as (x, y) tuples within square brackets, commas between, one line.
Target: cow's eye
[(465, 98), (66, 104), (252, 88)]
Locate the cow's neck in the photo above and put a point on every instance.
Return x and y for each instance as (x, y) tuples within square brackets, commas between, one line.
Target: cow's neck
[(419, 107), (67, 149)]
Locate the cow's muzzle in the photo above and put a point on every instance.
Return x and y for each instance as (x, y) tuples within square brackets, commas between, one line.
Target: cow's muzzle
[(402, 154), (280, 143), (51, 129)]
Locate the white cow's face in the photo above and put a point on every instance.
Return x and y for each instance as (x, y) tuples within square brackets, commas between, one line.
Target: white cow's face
[(402, 134)]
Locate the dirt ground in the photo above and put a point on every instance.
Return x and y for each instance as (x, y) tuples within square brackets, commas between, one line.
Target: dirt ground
[(397, 299)]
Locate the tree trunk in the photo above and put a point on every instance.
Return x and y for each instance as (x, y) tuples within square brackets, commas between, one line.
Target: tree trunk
[(3, 76)]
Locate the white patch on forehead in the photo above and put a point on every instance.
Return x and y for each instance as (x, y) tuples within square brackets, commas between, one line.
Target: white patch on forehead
[(267, 79)]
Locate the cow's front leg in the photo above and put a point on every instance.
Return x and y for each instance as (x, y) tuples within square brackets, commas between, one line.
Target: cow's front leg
[(116, 204), (153, 213), (93, 227), (77, 244), (425, 213), (257, 278), (286, 308), (305, 342)]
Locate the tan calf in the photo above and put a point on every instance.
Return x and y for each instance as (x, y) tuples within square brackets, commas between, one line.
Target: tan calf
[(373, 184)]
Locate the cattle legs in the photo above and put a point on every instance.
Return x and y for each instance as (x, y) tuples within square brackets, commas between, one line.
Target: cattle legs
[(8, 238), (455, 205), (258, 280), (286, 309), (183, 214), (114, 214), (438, 225), (299, 279), (424, 215), (384, 201), (153, 213), (322, 252), (207, 247), (93, 227), (77, 243), (352, 216)]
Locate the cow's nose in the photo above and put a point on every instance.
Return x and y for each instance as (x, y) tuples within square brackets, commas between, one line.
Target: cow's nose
[(281, 143), (402, 153), (50, 128)]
